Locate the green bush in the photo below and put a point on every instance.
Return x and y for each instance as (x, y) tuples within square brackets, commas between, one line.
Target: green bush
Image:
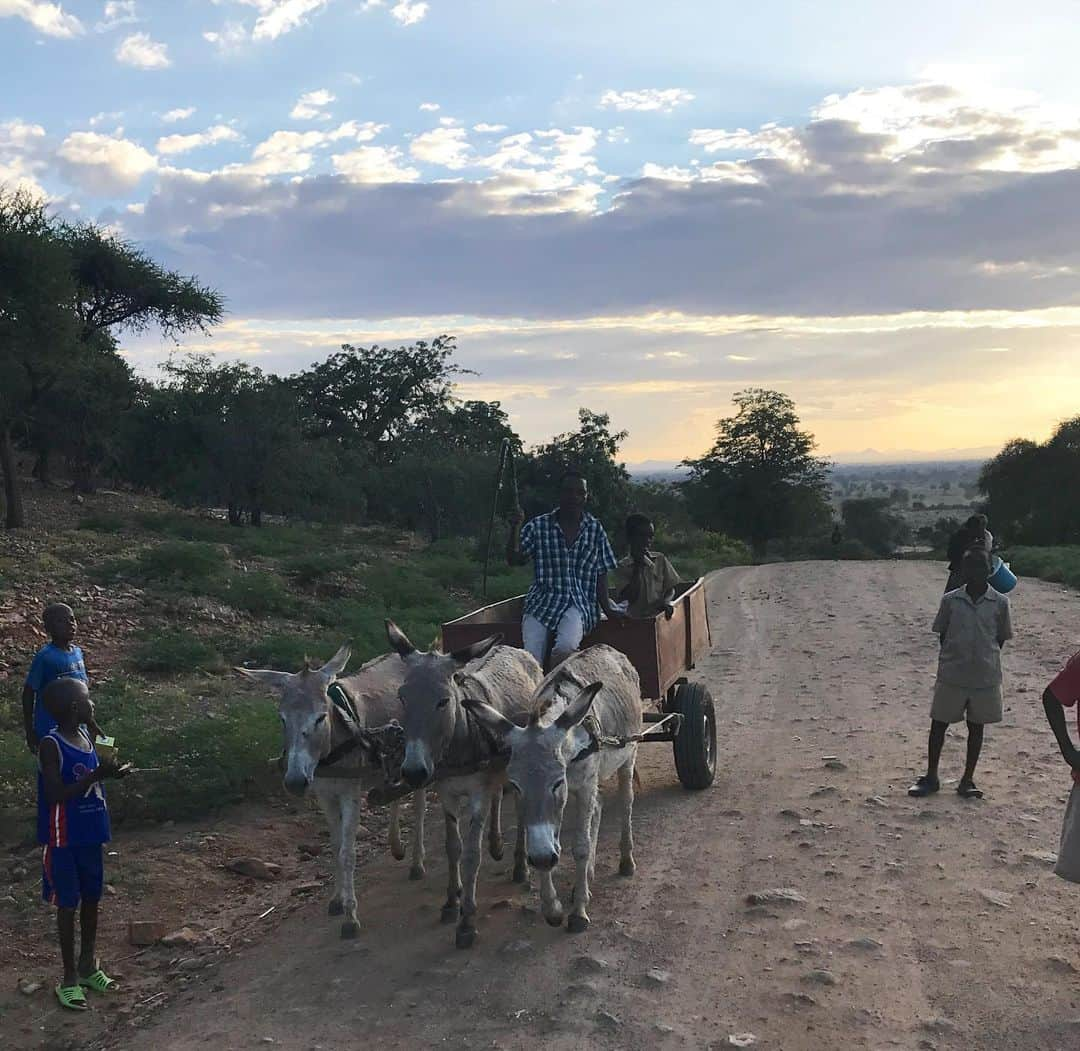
[(104, 522), (313, 566), (284, 652), (175, 563), (258, 593), (1060, 565), (170, 653)]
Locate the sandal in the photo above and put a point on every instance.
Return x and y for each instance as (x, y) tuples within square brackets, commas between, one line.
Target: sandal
[(100, 982), (71, 997), (967, 790), (924, 786)]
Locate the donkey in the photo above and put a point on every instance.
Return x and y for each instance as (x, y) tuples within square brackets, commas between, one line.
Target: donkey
[(445, 745), (558, 753), (314, 727)]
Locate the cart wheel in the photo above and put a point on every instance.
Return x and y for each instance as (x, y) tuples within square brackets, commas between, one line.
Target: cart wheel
[(695, 744)]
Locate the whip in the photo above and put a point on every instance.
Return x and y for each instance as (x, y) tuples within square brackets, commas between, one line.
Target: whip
[(507, 473)]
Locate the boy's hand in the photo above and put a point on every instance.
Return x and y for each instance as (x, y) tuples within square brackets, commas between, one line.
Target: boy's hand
[(669, 610), (110, 768)]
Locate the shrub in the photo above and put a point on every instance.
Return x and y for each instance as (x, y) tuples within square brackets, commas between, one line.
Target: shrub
[(171, 653), (313, 566), (104, 522), (259, 593), (285, 652)]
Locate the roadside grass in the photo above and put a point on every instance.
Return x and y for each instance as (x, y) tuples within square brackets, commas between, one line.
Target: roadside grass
[(1058, 564), (211, 596)]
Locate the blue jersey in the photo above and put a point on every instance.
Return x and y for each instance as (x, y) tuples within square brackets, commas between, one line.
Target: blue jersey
[(50, 664), (81, 821)]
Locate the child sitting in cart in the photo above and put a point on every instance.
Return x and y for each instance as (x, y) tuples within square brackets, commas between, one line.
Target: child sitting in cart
[(644, 580)]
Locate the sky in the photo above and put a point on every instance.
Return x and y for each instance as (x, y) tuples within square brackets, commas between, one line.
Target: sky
[(636, 207)]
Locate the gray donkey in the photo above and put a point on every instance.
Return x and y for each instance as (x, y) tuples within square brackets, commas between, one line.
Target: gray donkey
[(315, 728), (558, 752), (445, 745)]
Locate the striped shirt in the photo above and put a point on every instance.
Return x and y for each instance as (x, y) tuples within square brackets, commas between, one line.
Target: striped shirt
[(565, 576)]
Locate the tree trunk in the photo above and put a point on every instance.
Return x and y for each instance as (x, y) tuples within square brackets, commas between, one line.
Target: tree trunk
[(83, 477), (236, 514), (15, 517), (43, 468), (255, 514)]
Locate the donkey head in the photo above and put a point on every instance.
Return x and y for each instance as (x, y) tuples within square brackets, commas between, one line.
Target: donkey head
[(539, 754), (305, 709), (428, 697)]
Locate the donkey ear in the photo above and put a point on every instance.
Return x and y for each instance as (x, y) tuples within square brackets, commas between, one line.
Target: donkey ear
[(477, 649), (276, 680), (579, 707), (487, 716), (399, 641), (336, 664)]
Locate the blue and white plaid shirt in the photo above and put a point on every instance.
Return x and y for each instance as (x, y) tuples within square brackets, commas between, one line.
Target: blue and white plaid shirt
[(565, 576)]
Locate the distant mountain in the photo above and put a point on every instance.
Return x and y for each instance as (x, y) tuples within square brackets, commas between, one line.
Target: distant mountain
[(905, 456), (661, 470)]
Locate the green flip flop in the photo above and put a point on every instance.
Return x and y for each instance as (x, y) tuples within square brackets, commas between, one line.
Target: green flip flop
[(99, 981), (71, 997)]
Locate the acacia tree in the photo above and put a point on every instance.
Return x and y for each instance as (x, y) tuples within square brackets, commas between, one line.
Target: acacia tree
[(371, 397), (760, 481), (62, 288), (37, 328)]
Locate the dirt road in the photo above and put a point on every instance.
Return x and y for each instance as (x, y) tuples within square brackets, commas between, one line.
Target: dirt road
[(935, 924)]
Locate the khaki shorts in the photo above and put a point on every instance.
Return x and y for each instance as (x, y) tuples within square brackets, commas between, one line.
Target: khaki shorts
[(1068, 863), (954, 704)]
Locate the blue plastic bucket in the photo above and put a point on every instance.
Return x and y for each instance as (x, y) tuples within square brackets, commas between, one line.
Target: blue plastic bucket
[(1002, 579)]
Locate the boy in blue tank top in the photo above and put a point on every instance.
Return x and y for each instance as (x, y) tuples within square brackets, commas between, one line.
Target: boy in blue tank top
[(60, 658), (73, 823)]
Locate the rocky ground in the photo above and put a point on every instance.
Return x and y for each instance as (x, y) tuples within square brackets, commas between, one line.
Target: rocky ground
[(802, 903)]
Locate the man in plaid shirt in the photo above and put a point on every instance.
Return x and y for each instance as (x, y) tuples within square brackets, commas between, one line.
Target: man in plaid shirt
[(571, 560)]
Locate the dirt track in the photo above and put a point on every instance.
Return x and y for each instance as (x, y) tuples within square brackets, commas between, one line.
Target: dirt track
[(897, 946)]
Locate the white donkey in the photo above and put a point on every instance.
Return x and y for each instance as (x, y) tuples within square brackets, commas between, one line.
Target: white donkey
[(317, 729), (559, 752), (445, 745)]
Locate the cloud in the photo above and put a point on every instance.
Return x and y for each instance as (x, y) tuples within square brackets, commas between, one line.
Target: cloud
[(171, 145), (312, 105), (429, 107), (408, 14), (103, 164), (374, 165), (174, 115), (647, 100), (140, 51), (50, 19), (489, 129), (445, 146), (117, 13), (230, 37), (23, 155), (289, 152), (279, 17)]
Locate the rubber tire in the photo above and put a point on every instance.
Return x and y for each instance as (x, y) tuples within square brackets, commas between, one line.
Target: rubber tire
[(695, 745)]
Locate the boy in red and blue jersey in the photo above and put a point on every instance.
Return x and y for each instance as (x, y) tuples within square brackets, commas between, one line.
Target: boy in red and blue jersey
[(73, 823), (60, 658)]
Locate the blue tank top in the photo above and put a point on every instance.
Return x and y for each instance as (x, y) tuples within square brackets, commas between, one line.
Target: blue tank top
[(81, 821)]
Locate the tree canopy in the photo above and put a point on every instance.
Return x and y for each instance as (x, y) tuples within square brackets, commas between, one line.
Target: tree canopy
[(760, 481)]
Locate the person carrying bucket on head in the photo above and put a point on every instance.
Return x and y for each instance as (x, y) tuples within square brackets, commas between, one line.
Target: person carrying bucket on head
[(973, 533)]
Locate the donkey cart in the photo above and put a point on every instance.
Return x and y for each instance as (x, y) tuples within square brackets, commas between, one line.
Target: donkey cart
[(662, 651)]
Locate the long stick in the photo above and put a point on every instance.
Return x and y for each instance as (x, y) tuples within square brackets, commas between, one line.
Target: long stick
[(504, 455)]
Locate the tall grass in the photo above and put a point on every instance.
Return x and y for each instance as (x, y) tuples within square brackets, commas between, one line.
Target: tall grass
[(1058, 564)]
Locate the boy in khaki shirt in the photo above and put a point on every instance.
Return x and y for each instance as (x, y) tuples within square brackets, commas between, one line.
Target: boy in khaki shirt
[(645, 580), (973, 623)]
